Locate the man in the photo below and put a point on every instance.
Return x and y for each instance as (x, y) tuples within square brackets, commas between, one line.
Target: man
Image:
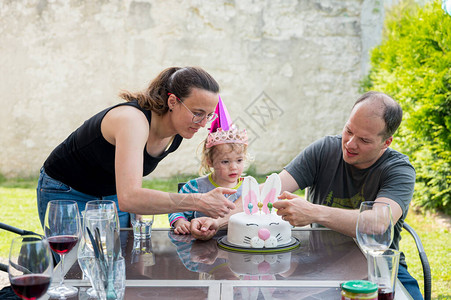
[(343, 171)]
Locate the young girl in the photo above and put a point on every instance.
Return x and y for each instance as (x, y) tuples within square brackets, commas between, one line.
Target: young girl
[(223, 155)]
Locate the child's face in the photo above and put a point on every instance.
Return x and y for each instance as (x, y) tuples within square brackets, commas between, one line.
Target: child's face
[(228, 164)]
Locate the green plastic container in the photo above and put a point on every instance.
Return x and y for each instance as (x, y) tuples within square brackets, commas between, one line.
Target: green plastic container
[(358, 290)]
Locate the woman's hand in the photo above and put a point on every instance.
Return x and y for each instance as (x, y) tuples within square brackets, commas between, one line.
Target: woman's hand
[(214, 203)]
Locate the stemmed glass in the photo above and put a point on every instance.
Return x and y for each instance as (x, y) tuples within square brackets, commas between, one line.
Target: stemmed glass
[(374, 230), (30, 266), (85, 256), (62, 229)]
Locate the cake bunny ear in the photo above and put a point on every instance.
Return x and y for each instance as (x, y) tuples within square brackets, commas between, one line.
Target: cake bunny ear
[(270, 191), (250, 195)]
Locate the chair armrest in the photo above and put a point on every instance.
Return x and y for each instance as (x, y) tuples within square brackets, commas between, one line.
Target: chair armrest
[(424, 261)]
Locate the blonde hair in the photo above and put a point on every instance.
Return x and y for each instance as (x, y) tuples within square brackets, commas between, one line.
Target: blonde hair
[(208, 154)]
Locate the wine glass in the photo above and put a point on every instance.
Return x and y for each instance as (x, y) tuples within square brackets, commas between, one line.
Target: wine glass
[(30, 266), (374, 230), (100, 214), (62, 229), (86, 258)]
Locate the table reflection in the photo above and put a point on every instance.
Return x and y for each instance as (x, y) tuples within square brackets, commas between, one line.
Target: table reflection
[(168, 266), (142, 257), (161, 293), (324, 255)]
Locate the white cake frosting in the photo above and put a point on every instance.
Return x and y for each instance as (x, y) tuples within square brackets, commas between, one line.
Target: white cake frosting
[(259, 264), (258, 226), (258, 230)]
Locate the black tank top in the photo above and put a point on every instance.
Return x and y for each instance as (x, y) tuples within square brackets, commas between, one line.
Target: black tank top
[(85, 160)]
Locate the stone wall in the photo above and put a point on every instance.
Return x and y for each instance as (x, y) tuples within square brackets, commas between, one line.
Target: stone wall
[(288, 70)]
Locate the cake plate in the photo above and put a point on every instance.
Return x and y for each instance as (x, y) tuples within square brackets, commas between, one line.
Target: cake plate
[(293, 244)]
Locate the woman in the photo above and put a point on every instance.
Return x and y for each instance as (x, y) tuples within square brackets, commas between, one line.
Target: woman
[(108, 155)]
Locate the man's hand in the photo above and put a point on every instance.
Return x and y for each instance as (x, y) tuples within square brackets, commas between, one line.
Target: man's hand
[(204, 228), (182, 226), (214, 203), (296, 210)]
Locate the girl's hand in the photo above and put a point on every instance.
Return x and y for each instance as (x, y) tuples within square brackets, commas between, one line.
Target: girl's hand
[(182, 226), (204, 228)]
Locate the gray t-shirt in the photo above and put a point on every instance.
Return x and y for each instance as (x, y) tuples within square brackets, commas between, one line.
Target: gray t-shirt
[(335, 183)]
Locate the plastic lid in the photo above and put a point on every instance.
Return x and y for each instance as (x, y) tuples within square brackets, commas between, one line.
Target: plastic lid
[(359, 286)]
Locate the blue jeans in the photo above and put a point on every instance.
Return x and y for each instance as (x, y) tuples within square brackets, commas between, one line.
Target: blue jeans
[(49, 189), (409, 283)]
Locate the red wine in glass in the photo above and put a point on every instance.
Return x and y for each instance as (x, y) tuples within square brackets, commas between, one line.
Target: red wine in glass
[(62, 244), (385, 294), (30, 287), (30, 267), (62, 229)]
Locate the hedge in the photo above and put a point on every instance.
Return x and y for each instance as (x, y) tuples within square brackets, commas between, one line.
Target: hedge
[(413, 65)]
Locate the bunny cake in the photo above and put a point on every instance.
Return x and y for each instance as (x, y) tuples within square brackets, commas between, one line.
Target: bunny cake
[(258, 263), (259, 226)]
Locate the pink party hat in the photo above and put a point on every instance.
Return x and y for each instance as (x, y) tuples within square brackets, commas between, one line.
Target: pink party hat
[(222, 131), (223, 120)]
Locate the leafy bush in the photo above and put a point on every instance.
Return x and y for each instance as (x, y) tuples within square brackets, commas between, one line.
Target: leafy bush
[(413, 64)]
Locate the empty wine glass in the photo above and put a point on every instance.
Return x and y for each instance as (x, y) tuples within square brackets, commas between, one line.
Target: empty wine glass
[(374, 230), (30, 266), (62, 229), (85, 255)]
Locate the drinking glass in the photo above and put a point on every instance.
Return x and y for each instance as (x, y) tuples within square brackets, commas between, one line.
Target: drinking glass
[(101, 219), (105, 207), (62, 229), (142, 225), (374, 230), (86, 257), (383, 270), (30, 266)]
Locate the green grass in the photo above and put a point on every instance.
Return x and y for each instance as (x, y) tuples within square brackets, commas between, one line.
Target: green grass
[(19, 210), (18, 203), (437, 243)]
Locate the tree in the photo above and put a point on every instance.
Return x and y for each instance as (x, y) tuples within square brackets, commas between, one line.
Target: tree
[(413, 65)]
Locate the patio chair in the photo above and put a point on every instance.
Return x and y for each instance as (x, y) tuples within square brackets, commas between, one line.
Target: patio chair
[(424, 261), (12, 229)]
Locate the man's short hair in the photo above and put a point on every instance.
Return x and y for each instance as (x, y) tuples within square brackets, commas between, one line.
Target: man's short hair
[(391, 112)]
